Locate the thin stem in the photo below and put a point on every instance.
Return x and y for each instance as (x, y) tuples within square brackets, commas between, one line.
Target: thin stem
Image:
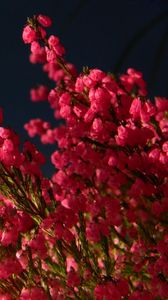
[(65, 68)]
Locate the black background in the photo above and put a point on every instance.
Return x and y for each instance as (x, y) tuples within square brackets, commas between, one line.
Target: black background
[(95, 33)]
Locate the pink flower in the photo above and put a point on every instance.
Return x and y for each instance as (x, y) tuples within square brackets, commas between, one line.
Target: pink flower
[(33, 294), (39, 94), (5, 297), (53, 40), (73, 279), (135, 108), (9, 266), (29, 35), (96, 75), (161, 103), (44, 20), (35, 47)]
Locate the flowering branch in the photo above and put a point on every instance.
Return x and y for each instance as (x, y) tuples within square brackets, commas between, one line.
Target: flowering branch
[(97, 229)]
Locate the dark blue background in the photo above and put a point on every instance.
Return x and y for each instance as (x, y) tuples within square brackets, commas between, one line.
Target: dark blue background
[(95, 33)]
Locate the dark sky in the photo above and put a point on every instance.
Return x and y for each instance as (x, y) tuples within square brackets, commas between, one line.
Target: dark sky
[(95, 33)]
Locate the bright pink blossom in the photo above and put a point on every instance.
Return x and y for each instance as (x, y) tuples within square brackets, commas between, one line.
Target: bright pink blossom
[(29, 34), (44, 20)]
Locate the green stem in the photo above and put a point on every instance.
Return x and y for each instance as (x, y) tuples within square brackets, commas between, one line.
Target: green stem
[(65, 68), (85, 247), (107, 261)]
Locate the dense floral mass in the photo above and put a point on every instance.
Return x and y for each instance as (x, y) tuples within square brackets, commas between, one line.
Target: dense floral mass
[(98, 228)]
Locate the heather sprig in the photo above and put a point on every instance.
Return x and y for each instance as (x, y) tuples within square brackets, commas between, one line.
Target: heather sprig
[(97, 229)]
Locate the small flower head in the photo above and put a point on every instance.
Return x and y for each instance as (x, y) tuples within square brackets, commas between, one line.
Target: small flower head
[(44, 20), (29, 35)]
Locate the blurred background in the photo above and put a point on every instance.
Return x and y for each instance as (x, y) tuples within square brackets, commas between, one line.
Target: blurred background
[(110, 35)]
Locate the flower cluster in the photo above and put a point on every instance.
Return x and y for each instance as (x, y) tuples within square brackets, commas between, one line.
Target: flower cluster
[(97, 229)]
